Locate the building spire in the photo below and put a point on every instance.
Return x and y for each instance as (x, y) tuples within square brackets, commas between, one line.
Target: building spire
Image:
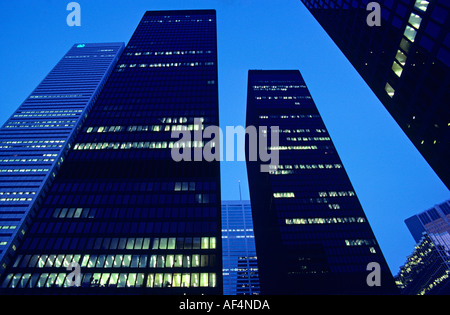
[(240, 196)]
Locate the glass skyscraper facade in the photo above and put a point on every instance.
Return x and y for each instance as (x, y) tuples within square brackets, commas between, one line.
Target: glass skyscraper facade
[(132, 218), (311, 234), (240, 266), (405, 61), (34, 141)]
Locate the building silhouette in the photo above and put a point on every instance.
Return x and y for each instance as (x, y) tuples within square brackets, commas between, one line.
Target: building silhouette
[(132, 218), (405, 61), (311, 234)]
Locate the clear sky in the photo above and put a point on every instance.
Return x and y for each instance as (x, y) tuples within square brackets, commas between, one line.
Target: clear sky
[(390, 177)]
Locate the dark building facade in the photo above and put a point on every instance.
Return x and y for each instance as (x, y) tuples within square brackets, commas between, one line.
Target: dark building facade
[(240, 264), (405, 61), (311, 234), (132, 218), (34, 141)]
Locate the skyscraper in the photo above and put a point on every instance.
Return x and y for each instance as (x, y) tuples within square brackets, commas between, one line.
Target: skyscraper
[(427, 269), (405, 61), (36, 138), (132, 218), (311, 234), (432, 221), (240, 266)]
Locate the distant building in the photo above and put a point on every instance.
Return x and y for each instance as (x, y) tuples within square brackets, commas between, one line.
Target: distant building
[(433, 221), (240, 269), (427, 269)]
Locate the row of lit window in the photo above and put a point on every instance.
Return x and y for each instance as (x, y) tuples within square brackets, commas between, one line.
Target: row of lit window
[(178, 20), (308, 138), (144, 128), (24, 170), (120, 261), (139, 145), (168, 53), (51, 111), (242, 269), (40, 126), (31, 146), (8, 227), (307, 166), (87, 56), (25, 160), (57, 96), (437, 281), (284, 195), (281, 97), (166, 65), (9, 193), (296, 130), (112, 280), (332, 220), (15, 199), (74, 213), (359, 242), (32, 141), (293, 147), (336, 193), (410, 33), (41, 122), (287, 116), (43, 115), (275, 87), (184, 186)]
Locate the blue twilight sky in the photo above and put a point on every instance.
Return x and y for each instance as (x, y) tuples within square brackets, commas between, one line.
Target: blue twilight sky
[(390, 177)]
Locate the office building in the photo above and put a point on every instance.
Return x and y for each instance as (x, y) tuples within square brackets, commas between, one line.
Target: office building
[(311, 233), (427, 269), (34, 141), (432, 221), (240, 266), (405, 60), (132, 218)]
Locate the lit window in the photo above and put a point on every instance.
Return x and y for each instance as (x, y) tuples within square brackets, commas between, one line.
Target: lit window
[(401, 58), (284, 195), (397, 69), (389, 90), (415, 20), (410, 33), (421, 5)]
